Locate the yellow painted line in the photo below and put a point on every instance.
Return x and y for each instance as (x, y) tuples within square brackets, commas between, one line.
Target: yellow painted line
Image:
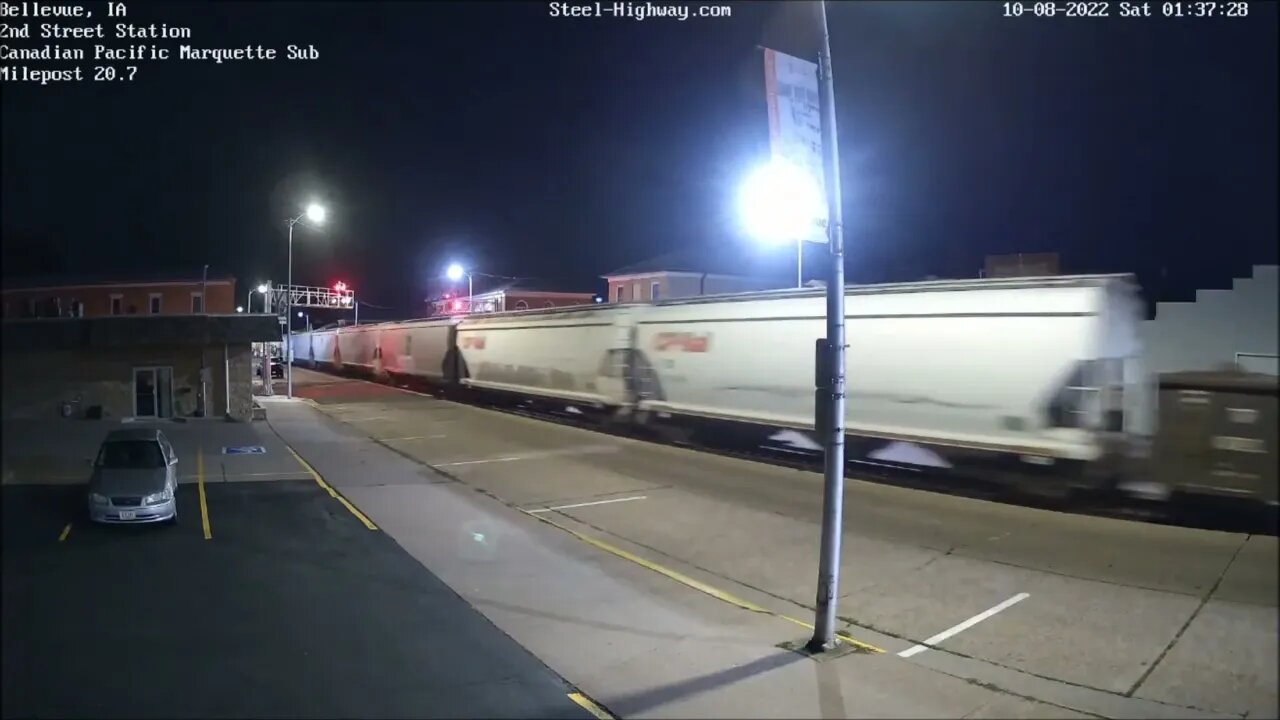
[(204, 503), (333, 493), (587, 704), (619, 552), (691, 582), (65, 532)]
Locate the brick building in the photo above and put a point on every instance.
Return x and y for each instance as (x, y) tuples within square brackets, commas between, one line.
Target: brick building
[(145, 366), (518, 295), (699, 269), (105, 297)]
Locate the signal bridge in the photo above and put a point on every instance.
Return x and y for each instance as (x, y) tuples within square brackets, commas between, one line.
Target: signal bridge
[(304, 296)]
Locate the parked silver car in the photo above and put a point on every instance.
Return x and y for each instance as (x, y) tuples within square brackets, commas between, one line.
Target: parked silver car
[(135, 478)]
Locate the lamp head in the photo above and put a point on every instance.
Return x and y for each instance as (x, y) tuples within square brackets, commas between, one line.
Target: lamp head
[(779, 202), (455, 272), (315, 213)]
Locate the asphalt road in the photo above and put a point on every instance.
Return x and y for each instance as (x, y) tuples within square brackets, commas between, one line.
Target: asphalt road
[(294, 608), (1137, 610)]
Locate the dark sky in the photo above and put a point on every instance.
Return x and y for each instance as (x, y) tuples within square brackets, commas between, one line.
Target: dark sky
[(562, 148)]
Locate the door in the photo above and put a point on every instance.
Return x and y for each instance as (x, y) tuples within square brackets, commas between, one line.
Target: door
[(153, 392), (164, 392), (144, 392)]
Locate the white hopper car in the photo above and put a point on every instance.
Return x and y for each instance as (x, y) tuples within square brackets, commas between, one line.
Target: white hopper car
[(1040, 375)]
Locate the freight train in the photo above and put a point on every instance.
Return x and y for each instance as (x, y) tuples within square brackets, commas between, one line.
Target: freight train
[(1037, 382)]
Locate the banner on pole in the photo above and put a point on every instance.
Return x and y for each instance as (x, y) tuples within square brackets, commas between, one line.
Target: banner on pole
[(795, 122)]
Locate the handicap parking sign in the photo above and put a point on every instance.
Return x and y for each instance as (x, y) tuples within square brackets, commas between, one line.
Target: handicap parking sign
[(245, 450)]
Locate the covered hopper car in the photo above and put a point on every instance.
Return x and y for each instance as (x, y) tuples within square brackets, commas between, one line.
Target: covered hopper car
[(1037, 380)]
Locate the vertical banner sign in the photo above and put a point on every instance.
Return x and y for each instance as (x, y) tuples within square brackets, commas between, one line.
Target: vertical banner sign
[(795, 121)]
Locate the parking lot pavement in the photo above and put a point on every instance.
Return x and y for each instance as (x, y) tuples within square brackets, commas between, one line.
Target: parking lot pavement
[(50, 452), (1126, 610), (293, 609)]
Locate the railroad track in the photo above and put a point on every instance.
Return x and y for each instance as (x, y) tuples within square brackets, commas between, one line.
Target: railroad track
[(1196, 512)]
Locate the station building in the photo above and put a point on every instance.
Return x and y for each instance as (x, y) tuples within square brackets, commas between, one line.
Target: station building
[(140, 366)]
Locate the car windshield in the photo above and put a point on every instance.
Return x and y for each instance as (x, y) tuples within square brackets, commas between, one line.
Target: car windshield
[(131, 455)]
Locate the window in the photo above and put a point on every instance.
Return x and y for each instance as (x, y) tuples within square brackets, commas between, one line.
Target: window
[(131, 455), (654, 289), (197, 303), (77, 309), (548, 304), (522, 305), (117, 305), (155, 304)]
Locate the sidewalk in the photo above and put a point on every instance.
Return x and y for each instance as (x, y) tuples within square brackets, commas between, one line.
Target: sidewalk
[(639, 643)]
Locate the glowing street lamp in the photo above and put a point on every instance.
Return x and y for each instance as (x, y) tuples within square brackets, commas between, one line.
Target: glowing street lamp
[(454, 272), (248, 302), (315, 214), (780, 203)]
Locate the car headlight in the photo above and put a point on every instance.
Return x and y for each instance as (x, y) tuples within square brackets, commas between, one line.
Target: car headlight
[(156, 498), (98, 499)]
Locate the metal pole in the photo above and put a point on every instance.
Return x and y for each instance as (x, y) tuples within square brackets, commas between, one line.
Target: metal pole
[(824, 630), (800, 263), (470, 292), (248, 302), (288, 319), (357, 304)]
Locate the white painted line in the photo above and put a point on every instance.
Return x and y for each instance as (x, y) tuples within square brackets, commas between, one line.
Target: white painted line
[(413, 437), (365, 419), (587, 504), (260, 474), (590, 449), (927, 644)]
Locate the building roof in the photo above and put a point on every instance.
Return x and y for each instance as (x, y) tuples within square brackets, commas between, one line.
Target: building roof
[(713, 257), (137, 330), (527, 285), (106, 279)]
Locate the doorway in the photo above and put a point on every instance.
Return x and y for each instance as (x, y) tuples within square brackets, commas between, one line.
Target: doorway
[(153, 392)]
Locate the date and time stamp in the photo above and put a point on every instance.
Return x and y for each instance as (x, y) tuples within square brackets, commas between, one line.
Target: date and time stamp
[(1146, 9)]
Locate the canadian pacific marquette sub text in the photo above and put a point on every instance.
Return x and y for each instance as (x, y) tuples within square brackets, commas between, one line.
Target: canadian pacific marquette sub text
[(151, 52)]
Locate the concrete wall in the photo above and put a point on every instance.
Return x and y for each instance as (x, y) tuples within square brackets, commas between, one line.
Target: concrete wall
[(1207, 334), (36, 382)]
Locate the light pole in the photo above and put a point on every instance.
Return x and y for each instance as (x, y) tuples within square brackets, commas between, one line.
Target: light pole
[(824, 630), (780, 202), (314, 213)]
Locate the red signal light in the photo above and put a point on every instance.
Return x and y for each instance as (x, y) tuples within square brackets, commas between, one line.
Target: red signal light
[(340, 286)]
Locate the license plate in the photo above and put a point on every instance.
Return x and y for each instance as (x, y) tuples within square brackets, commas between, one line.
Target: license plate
[(128, 514)]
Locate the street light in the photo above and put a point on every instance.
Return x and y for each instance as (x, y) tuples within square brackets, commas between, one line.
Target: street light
[(316, 214), (779, 203), (240, 308), (455, 272), (262, 288)]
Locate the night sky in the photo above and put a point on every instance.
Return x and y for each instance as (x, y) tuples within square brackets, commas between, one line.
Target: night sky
[(562, 148)]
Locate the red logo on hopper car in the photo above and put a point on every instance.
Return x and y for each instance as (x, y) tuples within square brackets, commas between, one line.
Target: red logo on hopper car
[(682, 342)]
